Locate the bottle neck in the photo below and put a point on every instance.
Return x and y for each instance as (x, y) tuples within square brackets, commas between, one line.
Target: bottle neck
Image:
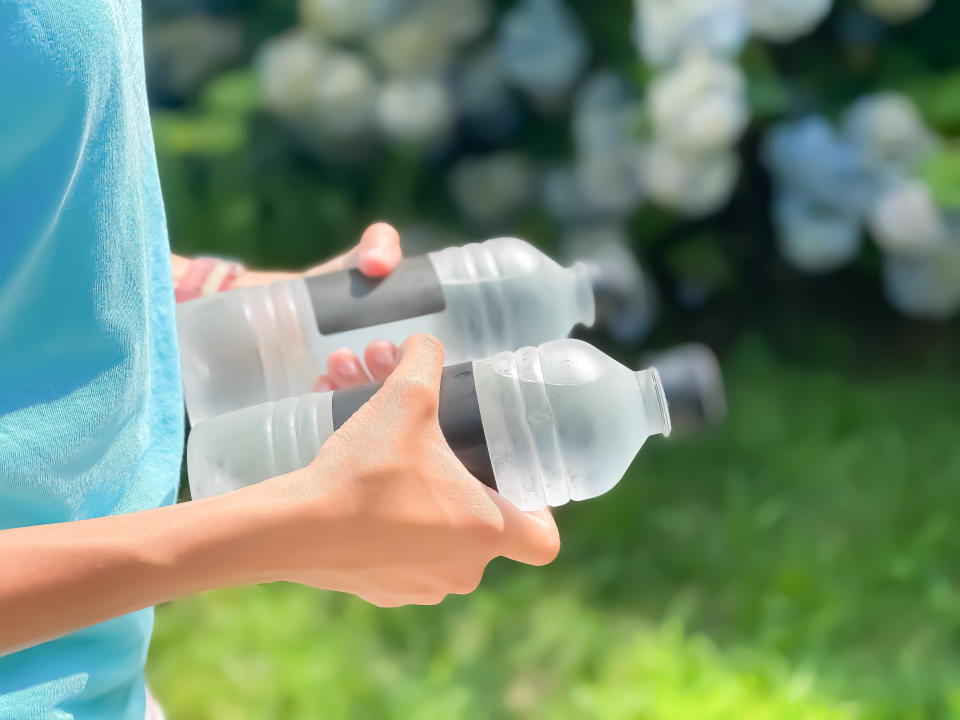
[(654, 402)]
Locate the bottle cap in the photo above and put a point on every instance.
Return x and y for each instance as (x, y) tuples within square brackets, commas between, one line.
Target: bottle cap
[(693, 384)]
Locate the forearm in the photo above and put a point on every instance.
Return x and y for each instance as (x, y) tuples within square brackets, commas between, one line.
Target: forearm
[(61, 577)]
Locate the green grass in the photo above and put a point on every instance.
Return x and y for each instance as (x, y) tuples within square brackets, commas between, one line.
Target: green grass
[(799, 563)]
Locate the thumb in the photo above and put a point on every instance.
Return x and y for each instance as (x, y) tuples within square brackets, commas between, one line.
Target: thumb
[(378, 252), (528, 537), (416, 379)]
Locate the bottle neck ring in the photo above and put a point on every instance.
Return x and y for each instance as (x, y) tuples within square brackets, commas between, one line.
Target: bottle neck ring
[(654, 402)]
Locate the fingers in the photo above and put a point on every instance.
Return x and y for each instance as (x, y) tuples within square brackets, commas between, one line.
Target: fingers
[(378, 251), (528, 537), (419, 368), (345, 371), (323, 384), (381, 359)]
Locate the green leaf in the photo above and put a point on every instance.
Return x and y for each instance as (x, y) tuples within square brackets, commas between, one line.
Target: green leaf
[(938, 98), (236, 92), (942, 174), (767, 93), (185, 134)]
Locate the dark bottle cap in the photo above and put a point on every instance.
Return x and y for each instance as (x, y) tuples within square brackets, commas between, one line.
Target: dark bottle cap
[(693, 384)]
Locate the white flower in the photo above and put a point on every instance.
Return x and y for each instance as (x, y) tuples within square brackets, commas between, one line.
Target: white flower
[(612, 179), (785, 20), (479, 85), (413, 47), (489, 189), (459, 20), (890, 132), (813, 236), (606, 120), (482, 96), (606, 114), (694, 184), (564, 197), (342, 19), (897, 10), (542, 48), (626, 297), (329, 92), (413, 110), (700, 105), (905, 219), (665, 29), (924, 285), (344, 94), (287, 66)]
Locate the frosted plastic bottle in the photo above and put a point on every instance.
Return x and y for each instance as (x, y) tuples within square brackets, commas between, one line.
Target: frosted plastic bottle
[(542, 425), (250, 345), (693, 384)]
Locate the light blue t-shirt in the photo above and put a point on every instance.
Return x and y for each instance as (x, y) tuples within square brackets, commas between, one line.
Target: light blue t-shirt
[(91, 415)]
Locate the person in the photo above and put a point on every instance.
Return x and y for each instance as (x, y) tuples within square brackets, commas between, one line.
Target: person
[(91, 414)]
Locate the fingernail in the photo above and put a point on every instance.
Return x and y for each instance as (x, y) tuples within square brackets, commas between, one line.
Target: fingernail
[(386, 358), (351, 369)]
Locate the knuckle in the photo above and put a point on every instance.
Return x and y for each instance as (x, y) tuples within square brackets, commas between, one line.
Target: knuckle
[(489, 530), (466, 585), (416, 390), (427, 347)]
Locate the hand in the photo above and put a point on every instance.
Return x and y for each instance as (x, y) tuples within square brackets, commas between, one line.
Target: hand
[(376, 255), (388, 513)]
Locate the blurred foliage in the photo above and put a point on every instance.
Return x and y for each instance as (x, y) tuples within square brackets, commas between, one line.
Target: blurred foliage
[(943, 176), (240, 182), (798, 563)]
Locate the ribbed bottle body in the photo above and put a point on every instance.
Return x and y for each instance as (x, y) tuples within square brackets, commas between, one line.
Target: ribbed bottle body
[(563, 421), (558, 422), (257, 344), (255, 443)]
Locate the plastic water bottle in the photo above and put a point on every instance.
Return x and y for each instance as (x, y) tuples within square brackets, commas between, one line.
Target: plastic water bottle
[(247, 346), (693, 384), (542, 425)]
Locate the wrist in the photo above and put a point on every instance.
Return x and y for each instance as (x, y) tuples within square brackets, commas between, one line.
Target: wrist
[(223, 541), (279, 529), (205, 276)]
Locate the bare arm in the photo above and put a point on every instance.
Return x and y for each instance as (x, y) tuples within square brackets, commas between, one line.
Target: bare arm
[(60, 577), (385, 511)]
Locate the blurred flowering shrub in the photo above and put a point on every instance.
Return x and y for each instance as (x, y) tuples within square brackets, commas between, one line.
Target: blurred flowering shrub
[(697, 142)]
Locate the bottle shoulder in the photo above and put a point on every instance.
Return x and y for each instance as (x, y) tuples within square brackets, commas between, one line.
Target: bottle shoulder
[(497, 259)]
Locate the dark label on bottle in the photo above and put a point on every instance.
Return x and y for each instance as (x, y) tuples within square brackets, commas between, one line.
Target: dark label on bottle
[(348, 299), (459, 414)]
